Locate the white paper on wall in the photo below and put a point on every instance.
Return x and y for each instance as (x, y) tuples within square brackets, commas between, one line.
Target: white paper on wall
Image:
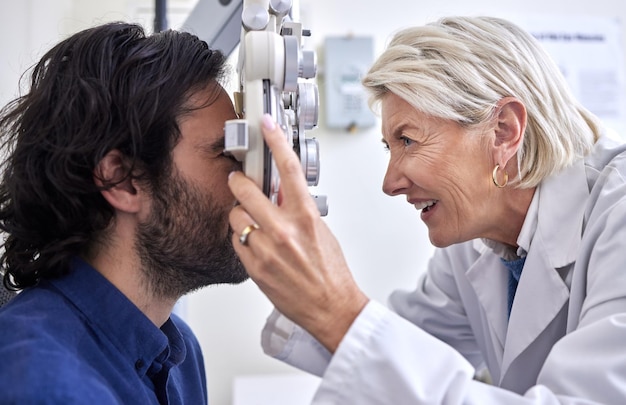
[(589, 52)]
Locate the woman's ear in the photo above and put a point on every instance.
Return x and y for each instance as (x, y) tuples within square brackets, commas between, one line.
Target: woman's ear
[(112, 176), (510, 126)]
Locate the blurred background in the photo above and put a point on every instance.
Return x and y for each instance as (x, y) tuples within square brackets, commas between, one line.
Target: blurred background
[(385, 242)]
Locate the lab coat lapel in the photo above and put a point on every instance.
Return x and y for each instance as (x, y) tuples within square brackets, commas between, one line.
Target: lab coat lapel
[(542, 293), (540, 296), (490, 289)]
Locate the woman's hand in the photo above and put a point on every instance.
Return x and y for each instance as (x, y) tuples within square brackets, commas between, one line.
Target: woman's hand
[(293, 257)]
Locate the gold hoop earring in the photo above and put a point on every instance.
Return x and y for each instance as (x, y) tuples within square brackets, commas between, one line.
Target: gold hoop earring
[(494, 177)]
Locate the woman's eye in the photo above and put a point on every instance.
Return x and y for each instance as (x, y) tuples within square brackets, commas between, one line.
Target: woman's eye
[(406, 141), (385, 145)]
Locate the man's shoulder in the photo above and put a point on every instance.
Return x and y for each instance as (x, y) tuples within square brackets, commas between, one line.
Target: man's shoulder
[(56, 374), (58, 379), (45, 346), (38, 306), (38, 324)]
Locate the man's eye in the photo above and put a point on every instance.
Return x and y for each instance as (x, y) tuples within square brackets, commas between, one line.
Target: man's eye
[(228, 156)]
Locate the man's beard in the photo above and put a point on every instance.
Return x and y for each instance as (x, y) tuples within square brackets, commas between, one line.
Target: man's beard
[(182, 245)]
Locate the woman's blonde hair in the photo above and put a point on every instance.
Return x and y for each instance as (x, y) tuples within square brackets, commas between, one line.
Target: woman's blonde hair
[(458, 68)]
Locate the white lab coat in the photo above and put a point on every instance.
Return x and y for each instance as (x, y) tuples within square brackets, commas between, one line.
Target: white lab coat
[(565, 342)]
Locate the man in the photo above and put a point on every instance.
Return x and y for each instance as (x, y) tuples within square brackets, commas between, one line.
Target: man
[(115, 204)]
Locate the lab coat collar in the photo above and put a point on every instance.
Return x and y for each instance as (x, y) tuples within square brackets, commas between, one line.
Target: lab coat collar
[(561, 211), (541, 292)]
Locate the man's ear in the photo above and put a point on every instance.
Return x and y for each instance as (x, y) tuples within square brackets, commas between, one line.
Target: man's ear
[(112, 176), (510, 125)]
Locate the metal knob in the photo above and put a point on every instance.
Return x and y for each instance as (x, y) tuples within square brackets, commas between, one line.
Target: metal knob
[(254, 17), (308, 104), (280, 7), (308, 64)]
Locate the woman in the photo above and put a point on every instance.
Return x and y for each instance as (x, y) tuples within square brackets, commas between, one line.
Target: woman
[(525, 201)]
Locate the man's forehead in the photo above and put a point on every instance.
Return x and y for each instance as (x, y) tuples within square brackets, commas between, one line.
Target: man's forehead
[(205, 96), (203, 122)]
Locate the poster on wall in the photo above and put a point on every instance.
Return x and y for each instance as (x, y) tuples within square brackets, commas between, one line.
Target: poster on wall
[(590, 54)]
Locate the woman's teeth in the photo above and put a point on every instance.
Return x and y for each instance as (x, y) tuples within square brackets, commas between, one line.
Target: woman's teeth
[(425, 205)]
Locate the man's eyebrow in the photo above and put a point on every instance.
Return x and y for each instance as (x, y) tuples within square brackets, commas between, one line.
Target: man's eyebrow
[(216, 146), (211, 147)]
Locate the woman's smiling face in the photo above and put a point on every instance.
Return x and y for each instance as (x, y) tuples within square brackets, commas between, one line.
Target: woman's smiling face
[(443, 169)]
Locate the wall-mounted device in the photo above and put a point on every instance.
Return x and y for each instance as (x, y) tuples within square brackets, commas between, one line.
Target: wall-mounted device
[(347, 59)]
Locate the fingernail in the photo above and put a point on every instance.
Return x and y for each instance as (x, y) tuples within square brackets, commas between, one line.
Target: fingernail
[(230, 174), (268, 122)]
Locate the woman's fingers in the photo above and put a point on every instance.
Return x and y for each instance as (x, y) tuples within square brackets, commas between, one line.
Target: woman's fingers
[(293, 193), (293, 185), (292, 255), (240, 222)]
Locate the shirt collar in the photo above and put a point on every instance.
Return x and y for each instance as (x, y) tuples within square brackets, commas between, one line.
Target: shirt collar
[(115, 317), (525, 236), (556, 214), (530, 225)]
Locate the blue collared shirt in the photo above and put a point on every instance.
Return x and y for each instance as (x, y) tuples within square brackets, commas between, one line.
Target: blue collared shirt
[(78, 340)]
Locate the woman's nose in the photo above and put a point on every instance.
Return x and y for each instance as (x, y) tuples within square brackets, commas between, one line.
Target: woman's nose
[(394, 182)]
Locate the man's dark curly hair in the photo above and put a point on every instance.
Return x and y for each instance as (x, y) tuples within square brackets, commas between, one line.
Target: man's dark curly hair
[(104, 88)]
